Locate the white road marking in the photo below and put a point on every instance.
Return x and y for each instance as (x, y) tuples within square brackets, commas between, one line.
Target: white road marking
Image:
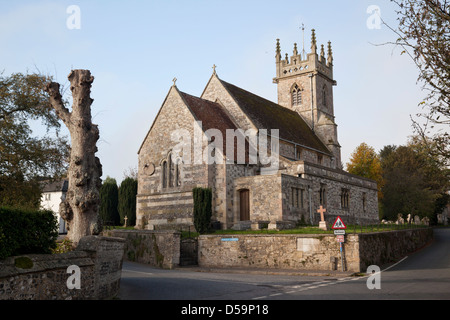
[(315, 285), (127, 270)]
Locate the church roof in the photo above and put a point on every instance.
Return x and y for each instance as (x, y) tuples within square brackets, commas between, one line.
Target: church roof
[(213, 116), (266, 114)]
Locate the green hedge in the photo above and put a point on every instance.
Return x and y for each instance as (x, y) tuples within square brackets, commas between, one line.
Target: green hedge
[(27, 231), (202, 209)]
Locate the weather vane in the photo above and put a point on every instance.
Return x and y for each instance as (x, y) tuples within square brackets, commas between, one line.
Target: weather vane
[(303, 49)]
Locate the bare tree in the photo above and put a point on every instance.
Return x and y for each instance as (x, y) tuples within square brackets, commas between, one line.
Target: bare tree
[(424, 34), (81, 207)]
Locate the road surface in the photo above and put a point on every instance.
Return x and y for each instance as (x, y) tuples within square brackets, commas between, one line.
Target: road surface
[(422, 275)]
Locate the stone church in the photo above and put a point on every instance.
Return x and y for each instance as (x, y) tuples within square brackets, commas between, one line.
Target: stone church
[(298, 135)]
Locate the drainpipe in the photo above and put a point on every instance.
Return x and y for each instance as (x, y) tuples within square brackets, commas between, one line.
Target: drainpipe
[(310, 205)]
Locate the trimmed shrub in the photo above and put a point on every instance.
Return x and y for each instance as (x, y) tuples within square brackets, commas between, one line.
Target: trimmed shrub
[(27, 231), (202, 209), (109, 200), (127, 201)]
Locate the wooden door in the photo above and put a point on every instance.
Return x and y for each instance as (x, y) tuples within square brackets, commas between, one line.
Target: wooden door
[(244, 205)]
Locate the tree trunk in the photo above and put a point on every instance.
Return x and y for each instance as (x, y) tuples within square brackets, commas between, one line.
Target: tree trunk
[(81, 206)]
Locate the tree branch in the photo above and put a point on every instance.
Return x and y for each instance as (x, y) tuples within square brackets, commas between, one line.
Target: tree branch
[(57, 103)]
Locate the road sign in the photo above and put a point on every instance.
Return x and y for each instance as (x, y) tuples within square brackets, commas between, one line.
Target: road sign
[(339, 231), (340, 238), (339, 224)]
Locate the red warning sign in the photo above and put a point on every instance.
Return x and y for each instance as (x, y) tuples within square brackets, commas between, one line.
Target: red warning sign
[(339, 224)]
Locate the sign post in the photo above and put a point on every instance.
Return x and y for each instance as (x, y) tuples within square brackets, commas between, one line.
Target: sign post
[(339, 230)]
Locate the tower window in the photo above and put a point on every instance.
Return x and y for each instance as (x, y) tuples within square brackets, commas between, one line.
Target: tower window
[(296, 96), (324, 96)]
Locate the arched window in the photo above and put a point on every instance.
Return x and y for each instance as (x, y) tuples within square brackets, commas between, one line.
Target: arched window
[(345, 198), (177, 174), (296, 96), (164, 174), (322, 195), (324, 96), (170, 170)]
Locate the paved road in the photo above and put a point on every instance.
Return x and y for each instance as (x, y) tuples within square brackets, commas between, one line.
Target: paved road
[(422, 275)]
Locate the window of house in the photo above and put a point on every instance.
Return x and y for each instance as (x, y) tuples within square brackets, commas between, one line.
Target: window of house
[(47, 196), (345, 198), (296, 96)]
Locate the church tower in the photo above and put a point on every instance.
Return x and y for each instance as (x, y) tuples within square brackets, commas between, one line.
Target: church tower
[(305, 85)]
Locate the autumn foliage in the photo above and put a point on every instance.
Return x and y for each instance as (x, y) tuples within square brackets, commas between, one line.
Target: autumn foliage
[(365, 162)]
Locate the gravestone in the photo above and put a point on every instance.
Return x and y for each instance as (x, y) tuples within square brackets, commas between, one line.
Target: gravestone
[(416, 220)]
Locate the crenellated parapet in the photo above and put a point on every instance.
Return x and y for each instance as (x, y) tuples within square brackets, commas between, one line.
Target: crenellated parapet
[(297, 64)]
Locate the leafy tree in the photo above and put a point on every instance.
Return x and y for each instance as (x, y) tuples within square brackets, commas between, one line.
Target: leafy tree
[(365, 162), (109, 199), (405, 191), (127, 201), (415, 183), (24, 158)]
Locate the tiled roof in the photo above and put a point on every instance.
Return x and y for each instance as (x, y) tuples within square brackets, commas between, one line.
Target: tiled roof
[(268, 115), (55, 186), (213, 116)]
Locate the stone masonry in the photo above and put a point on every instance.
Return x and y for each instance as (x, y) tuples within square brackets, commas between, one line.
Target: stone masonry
[(302, 136)]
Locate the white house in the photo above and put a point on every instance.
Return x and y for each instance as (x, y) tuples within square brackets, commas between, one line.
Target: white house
[(53, 194)]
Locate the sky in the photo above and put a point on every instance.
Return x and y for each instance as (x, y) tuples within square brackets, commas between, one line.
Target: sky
[(135, 48)]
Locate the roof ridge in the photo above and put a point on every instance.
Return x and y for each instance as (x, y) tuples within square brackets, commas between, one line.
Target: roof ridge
[(259, 97), (270, 115)]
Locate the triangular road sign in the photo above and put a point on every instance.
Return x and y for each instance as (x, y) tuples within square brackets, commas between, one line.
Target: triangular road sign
[(339, 224)]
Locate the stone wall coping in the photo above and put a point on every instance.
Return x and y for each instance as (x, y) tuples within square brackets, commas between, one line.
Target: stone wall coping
[(299, 235), (144, 231), (91, 243), (304, 235), (42, 262)]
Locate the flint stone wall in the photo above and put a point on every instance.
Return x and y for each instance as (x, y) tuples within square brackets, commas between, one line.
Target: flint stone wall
[(309, 252), (44, 276), (158, 248)]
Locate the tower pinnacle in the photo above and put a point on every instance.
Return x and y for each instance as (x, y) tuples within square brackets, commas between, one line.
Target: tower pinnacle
[(330, 54), (278, 51), (313, 41)]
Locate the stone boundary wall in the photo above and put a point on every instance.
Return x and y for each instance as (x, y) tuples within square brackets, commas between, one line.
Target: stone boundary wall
[(158, 248), (308, 252), (45, 276), (383, 247)]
